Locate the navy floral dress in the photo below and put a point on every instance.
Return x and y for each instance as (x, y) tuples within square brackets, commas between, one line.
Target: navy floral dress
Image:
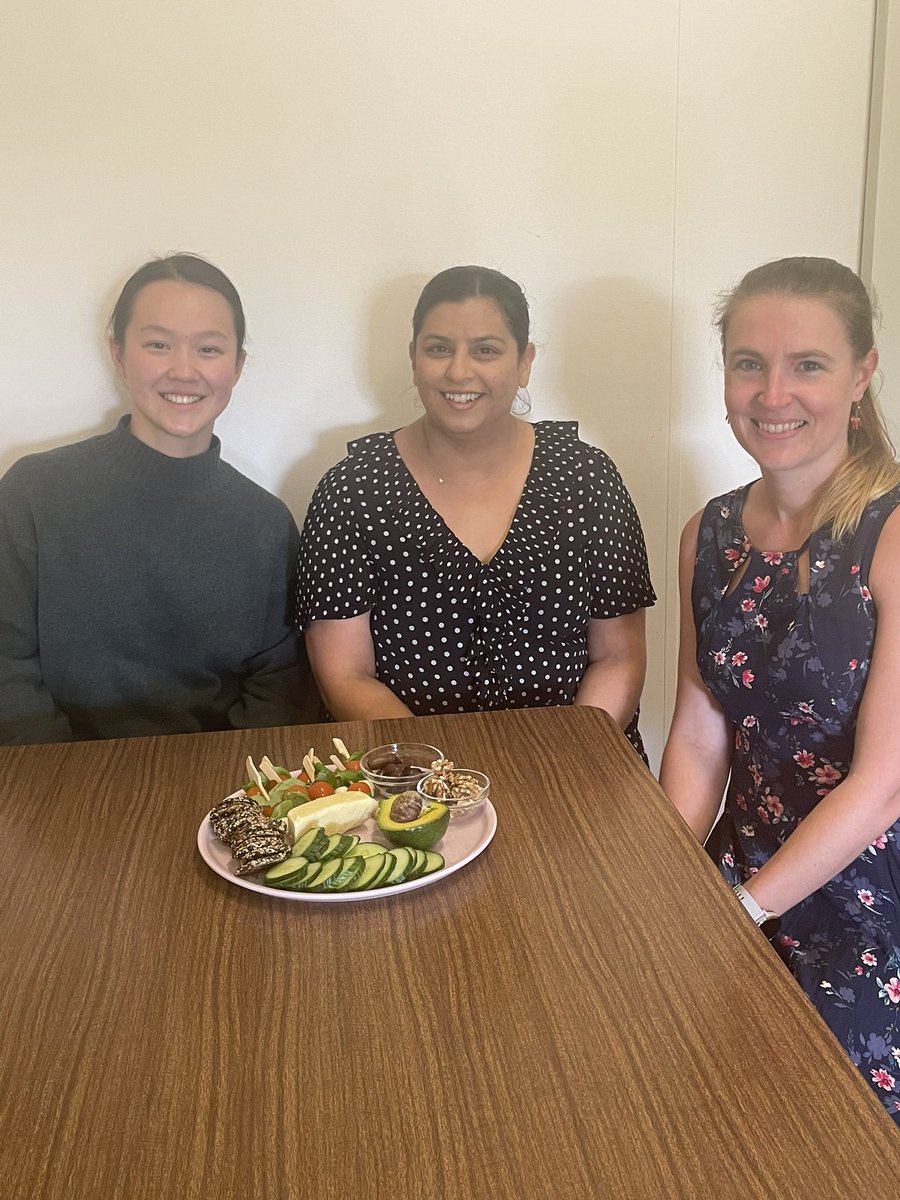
[(789, 670)]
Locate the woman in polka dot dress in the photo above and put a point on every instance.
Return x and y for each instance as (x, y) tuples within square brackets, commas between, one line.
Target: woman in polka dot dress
[(471, 560)]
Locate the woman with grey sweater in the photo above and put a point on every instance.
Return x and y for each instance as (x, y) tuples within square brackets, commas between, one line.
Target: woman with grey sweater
[(144, 582)]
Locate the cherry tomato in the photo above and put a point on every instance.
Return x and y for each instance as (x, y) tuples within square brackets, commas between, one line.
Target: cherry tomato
[(268, 809), (252, 790), (361, 785), (303, 777), (317, 790), (352, 764)]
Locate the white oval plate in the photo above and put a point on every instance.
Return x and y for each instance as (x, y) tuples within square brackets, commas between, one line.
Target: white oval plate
[(464, 840)]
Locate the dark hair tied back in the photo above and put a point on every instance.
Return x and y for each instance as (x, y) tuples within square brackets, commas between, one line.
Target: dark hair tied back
[(189, 268), (457, 284)]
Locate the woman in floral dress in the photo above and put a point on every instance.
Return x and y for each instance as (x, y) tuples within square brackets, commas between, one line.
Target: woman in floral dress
[(789, 687)]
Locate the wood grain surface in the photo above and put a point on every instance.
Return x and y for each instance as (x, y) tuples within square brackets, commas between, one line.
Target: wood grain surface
[(582, 1011)]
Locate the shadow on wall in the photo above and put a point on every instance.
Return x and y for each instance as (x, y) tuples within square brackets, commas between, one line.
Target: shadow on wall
[(610, 357), (382, 372), (609, 353)]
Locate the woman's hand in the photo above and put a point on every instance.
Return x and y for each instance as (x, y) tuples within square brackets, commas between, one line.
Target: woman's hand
[(697, 759), (617, 663), (342, 657)]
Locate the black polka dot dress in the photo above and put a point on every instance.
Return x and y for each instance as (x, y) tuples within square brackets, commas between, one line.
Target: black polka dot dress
[(454, 634)]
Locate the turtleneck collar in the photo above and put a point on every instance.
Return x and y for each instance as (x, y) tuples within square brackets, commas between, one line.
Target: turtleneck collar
[(146, 465)]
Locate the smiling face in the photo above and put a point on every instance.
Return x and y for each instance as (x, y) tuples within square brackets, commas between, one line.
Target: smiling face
[(466, 365), (179, 359), (791, 378)]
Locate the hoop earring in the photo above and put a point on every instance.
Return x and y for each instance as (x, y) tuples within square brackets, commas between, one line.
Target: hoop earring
[(522, 402), (855, 418)]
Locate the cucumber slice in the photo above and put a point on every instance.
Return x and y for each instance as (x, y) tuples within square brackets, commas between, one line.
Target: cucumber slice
[(297, 883), (387, 865), (302, 883), (339, 846), (312, 844), (326, 870), (367, 850), (372, 868), (418, 865), (351, 869), (333, 849), (403, 859), (281, 873), (435, 862), (347, 844)]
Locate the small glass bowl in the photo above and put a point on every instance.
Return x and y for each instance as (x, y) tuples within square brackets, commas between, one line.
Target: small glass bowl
[(466, 805), (417, 755)]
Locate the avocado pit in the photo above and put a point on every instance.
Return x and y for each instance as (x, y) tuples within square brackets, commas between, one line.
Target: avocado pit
[(406, 807)]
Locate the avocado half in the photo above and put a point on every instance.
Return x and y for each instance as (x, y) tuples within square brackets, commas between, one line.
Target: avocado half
[(408, 819)]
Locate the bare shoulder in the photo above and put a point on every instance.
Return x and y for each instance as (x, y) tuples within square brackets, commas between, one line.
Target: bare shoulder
[(687, 551), (885, 572)]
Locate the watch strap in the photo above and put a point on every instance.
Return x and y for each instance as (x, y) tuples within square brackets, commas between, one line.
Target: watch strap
[(757, 913)]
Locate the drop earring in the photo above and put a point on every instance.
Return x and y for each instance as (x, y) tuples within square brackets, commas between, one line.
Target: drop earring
[(522, 402), (855, 418)]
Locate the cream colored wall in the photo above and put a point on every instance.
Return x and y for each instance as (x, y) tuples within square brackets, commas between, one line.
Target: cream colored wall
[(623, 161), (881, 240)]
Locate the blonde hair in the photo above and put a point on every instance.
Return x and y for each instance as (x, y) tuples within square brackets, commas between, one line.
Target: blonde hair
[(870, 468)]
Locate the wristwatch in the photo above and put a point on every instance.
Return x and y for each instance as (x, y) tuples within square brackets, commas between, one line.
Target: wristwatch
[(757, 913)]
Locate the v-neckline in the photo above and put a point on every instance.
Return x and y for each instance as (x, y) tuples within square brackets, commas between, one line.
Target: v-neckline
[(517, 512)]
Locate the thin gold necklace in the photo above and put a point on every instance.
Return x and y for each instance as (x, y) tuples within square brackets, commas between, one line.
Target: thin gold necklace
[(484, 479)]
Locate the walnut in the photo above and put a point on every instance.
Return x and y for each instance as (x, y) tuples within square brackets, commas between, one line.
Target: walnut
[(448, 784)]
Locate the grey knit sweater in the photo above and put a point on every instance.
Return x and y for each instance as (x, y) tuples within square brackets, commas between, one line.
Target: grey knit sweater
[(142, 594)]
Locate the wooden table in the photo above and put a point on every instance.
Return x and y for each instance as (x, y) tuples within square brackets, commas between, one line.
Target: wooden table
[(582, 1011)]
